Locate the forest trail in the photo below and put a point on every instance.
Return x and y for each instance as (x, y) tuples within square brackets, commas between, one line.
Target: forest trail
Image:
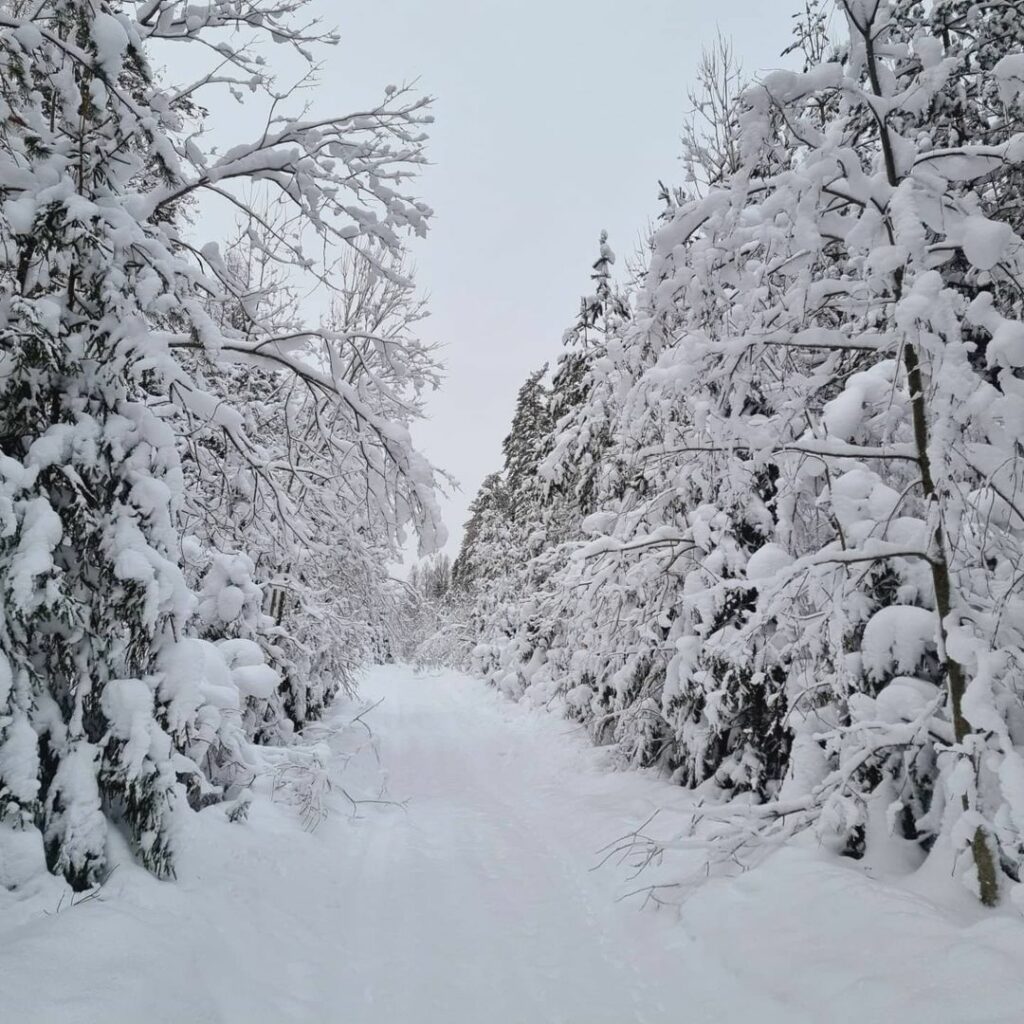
[(486, 902), (471, 900), (480, 898)]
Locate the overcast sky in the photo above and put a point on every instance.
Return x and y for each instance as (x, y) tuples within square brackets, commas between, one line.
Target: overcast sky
[(555, 119)]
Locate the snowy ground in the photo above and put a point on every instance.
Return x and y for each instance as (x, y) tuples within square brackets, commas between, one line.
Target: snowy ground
[(475, 905)]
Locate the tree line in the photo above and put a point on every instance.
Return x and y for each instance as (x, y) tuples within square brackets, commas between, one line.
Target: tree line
[(205, 459), (762, 523)]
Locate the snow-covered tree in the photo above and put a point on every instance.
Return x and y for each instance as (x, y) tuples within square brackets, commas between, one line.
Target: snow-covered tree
[(111, 705), (795, 579)]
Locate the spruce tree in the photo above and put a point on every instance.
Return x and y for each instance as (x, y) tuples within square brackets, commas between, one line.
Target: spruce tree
[(90, 586)]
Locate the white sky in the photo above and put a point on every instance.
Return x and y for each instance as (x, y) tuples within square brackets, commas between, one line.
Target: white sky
[(555, 119)]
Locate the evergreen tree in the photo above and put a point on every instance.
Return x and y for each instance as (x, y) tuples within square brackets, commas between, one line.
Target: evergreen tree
[(580, 401), (522, 446)]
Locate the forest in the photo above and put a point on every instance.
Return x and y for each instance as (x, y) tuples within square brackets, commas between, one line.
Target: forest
[(201, 485), (759, 523), (755, 532)]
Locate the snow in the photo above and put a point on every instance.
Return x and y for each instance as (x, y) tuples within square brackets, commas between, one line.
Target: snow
[(1008, 73), (194, 673), (41, 533), (904, 698), (6, 679), (22, 852), (985, 241), (476, 902), (897, 637), (258, 681), (79, 817), (768, 562), (230, 602), (124, 702), (19, 761), (842, 416), (111, 43), (1007, 345), (249, 671)]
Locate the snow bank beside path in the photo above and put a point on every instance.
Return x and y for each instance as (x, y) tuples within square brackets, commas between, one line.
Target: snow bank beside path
[(475, 905)]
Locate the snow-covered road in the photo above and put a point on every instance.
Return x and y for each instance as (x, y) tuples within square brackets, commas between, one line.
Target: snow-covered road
[(476, 905)]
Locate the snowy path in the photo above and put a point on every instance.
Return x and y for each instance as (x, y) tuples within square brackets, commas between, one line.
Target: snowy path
[(475, 905), (484, 904)]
